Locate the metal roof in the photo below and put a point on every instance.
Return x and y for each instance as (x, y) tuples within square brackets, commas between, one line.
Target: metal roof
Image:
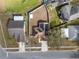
[(68, 11), (15, 24), (65, 12)]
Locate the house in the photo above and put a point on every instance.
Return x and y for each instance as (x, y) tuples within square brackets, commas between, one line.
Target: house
[(16, 27), (37, 15), (69, 12), (56, 3), (72, 32)]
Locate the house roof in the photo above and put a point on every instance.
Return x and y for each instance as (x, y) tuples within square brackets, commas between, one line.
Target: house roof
[(15, 24), (69, 10), (39, 13), (65, 12)]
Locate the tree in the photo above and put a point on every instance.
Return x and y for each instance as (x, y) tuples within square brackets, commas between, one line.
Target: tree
[(55, 39), (75, 2), (23, 1)]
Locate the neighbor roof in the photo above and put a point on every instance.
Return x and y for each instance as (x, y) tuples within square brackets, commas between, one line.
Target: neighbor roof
[(15, 24), (69, 10), (65, 12)]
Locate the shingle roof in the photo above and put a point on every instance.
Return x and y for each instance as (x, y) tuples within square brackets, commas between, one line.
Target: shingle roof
[(15, 24)]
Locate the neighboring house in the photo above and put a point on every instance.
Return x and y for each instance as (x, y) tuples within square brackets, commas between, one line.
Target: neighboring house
[(69, 12), (56, 3), (36, 16), (16, 27), (72, 32)]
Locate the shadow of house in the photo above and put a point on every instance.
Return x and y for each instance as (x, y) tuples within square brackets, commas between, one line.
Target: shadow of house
[(16, 27), (37, 14)]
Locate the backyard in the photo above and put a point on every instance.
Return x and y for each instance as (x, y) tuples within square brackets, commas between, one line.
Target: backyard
[(20, 6)]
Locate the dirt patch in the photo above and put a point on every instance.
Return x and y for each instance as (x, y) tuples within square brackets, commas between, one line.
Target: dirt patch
[(2, 5)]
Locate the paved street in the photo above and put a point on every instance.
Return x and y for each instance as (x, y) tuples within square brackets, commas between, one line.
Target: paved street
[(44, 55)]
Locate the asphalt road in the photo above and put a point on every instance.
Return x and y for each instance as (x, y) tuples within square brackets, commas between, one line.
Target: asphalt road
[(44, 55)]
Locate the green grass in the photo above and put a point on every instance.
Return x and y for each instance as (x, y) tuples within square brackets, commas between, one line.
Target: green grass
[(74, 22), (54, 17), (20, 6)]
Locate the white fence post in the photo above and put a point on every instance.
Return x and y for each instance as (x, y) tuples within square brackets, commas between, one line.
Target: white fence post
[(21, 46), (44, 46)]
